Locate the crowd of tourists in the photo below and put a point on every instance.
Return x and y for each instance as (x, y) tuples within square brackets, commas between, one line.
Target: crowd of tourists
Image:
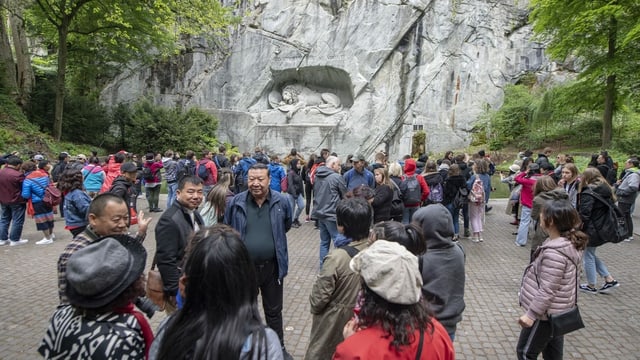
[(391, 269)]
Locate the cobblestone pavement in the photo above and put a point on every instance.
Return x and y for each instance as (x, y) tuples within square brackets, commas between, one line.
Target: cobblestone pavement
[(489, 329)]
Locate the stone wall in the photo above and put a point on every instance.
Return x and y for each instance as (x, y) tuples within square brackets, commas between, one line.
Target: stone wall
[(370, 71)]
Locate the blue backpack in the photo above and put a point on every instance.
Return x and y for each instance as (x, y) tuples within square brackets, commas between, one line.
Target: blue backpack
[(203, 172)]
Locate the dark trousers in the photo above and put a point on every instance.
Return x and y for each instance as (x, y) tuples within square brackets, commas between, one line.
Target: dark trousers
[(626, 210), (271, 290), (308, 190), (537, 339), (465, 215)]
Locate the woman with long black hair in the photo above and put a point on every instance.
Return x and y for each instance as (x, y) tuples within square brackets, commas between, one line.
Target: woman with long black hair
[(220, 317)]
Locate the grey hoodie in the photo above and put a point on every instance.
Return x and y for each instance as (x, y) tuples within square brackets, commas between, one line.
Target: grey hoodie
[(328, 189), (442, 266)]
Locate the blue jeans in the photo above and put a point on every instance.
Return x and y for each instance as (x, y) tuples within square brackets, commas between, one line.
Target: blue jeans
[(328, 232), (171, 193), (12, 213), (593, 264), (523, 228), (455, 214), (407, 213), (299, 201)]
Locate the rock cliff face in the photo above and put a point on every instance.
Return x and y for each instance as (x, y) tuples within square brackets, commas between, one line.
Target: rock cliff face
[(354, 76)]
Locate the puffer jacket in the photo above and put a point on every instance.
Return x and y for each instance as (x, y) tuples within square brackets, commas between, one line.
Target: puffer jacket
[(549, 284), (594, 213), (34, 185)]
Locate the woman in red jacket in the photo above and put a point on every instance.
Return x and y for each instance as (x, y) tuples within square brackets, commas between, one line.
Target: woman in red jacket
[(393, 321), (528, 180)]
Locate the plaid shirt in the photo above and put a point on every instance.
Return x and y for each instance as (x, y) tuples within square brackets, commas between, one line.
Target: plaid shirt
[(82, 240)]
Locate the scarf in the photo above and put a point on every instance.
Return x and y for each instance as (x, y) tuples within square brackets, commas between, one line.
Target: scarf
[(147, 333)]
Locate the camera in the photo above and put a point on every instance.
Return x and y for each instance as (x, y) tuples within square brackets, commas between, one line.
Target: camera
[(146, 306)]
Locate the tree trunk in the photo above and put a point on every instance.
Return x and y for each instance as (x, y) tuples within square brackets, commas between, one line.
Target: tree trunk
[(7, 66), (24, 76), (60, 78), (610, 91)]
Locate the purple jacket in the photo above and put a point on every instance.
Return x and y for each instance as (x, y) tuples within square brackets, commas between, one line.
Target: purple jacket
[(11, 184), (549, 283)]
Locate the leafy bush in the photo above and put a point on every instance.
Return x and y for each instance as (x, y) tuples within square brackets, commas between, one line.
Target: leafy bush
[(152, 128)]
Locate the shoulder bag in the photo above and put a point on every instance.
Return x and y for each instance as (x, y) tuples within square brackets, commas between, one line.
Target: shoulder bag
[(570, 320), (155, 286)]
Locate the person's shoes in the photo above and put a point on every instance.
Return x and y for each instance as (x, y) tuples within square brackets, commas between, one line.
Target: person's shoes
[(307, 219), (515, 222), (4, 242), (156, 210), (53, 236), (628, 239), (608, 286), (481, 240), (514, 233), (467, 233), (19, 242), (475, 240), (518, 244), (488, 208), (44, 241), (286, 355), (455, 238), (294, 225), (297, 223), (588, 289)]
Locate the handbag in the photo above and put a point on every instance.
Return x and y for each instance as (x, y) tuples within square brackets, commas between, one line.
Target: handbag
[(52, 195), (155, 287), (570, 320)]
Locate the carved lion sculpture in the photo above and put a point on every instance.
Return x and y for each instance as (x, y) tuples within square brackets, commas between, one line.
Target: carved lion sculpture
[(296, 97)]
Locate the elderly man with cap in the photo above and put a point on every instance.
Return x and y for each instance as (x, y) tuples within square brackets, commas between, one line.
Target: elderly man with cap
[(100, 322), (359, 175), (393, 320)]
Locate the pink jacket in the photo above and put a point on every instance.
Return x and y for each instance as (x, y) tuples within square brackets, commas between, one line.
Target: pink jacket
[(549, 283), (526, 194)]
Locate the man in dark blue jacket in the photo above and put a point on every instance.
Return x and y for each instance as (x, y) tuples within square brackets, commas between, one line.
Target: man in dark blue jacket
[(263, 217)]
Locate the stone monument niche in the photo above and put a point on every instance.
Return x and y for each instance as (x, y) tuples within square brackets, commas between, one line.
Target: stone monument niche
[(315, 95)]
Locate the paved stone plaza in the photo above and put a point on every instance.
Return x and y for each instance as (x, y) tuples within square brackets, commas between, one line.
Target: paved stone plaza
[(489, 329)]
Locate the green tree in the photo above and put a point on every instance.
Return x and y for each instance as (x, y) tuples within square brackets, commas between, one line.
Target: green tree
[(602, 35), (151, 128), (118, 31)]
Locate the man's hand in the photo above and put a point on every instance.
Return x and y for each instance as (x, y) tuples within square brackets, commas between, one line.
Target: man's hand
[(143, 223)]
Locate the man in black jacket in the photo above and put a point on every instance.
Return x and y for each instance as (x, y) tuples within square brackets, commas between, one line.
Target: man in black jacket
[(174, 228)]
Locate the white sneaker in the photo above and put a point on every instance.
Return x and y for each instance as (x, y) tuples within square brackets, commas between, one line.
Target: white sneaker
[(53, 236), (44, 241), (4, 242), (628, 239), (19, 242)]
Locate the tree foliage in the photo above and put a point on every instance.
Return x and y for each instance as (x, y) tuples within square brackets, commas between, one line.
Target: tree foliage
[(95, 35), (602, 35), (147, 127)]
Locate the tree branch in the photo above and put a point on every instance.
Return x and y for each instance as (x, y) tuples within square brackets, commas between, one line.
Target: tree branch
[(47, 9)]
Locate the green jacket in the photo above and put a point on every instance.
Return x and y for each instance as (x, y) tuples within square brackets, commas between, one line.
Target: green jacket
[(332, 299)]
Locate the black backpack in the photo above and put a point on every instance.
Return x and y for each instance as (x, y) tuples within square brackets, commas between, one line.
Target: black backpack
[(615, 228), (413, 194), (461, 198), (147, 175), (184, 168)]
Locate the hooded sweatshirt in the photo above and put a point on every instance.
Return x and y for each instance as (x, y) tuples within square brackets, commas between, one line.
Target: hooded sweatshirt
[(410, 170), (329, 188), (442, 265)]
